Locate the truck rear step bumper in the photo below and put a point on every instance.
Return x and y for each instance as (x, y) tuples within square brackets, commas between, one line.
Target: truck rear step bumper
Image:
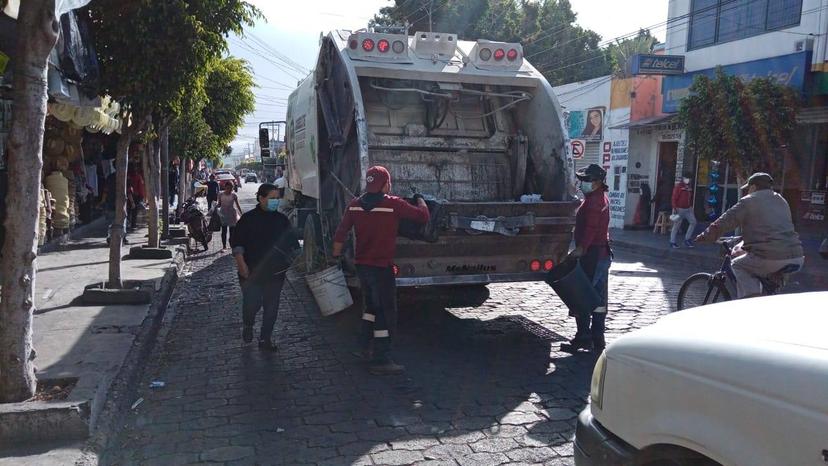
[(477, 279)]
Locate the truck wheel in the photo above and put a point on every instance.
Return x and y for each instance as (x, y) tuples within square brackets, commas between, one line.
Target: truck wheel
[(314, 259)]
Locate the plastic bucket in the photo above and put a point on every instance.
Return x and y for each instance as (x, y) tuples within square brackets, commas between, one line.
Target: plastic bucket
[(330, 290), (572, 285)]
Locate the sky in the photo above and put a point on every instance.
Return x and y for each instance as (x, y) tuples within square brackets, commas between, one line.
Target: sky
[(292, 30)]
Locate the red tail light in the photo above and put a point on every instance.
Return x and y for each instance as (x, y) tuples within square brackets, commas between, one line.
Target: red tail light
[(512, 55), (535, 265), (548, 265), (383, 46), (499, 54), (368, 45), (485, 54)]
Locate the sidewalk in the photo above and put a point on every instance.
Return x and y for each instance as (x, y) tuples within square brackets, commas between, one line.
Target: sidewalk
[(814, 276), (86, 344)]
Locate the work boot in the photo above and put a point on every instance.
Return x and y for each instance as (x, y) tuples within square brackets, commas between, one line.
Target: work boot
[(577, 343), (386, 367), (247, 334), (267, 345)]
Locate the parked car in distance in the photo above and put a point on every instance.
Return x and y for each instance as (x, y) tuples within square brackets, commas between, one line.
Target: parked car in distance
[(736, 383), (251, 178)]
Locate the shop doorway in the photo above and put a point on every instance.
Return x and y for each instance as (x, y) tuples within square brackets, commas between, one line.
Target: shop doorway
[(665, 176)]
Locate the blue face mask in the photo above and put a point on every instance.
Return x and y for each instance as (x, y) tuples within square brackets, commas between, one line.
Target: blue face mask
[(273, 205), (586, 187)]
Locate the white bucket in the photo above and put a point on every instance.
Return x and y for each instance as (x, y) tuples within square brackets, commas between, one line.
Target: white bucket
[(330, 290)]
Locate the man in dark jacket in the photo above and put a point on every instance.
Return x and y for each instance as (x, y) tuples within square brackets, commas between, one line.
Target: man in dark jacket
[(375, 218), (263, 245)]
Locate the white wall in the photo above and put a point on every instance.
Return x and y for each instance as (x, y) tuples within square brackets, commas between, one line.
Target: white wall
[(772, 44), (597, 93)]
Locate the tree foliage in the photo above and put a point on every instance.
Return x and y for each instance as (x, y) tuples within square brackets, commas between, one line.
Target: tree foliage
[(214, 110), (563, 51), (744, 124), (621, 51)]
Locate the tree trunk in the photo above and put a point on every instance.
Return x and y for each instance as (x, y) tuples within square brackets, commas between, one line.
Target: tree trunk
[(152, 157), (165, 180), (37, 34), (182, 182), (117, 231)]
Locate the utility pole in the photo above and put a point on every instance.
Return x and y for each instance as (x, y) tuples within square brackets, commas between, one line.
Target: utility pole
[(430, 11)]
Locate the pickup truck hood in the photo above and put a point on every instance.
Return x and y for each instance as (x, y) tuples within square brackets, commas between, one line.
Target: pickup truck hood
[(775, 346)]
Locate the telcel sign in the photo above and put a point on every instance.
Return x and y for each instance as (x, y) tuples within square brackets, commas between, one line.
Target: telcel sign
[(658, 64)]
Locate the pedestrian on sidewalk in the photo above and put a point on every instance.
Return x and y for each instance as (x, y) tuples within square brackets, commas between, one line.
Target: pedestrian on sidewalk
[(375, 218), (683, 210), (212, 192), (592, 249), (264, 246), (229, 212), (137, 193)]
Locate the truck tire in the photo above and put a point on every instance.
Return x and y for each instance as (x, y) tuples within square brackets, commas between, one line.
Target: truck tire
[(311, 249)]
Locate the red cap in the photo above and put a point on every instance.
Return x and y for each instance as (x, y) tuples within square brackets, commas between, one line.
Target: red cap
[(376, 178)]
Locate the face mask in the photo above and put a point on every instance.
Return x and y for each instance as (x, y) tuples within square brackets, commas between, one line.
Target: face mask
[(272, 205), (586, 187), (686, 180)]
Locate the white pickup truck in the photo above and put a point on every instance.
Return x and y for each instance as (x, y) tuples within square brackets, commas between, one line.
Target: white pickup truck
[(737, 383)]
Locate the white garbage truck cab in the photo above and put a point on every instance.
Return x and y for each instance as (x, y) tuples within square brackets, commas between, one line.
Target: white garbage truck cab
[(471, 126)]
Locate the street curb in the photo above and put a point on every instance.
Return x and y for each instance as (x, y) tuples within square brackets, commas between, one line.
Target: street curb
[(43, 422), (107, 414)]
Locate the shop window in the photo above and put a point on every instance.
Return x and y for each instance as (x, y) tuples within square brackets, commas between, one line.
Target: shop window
[(717, 21)]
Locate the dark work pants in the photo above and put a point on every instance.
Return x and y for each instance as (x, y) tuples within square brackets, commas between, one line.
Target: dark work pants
[(379, 322), (258, 293), (597, 270), (224, 229), (210, 201)]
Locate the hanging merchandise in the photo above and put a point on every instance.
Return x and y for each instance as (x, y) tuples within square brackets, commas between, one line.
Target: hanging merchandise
[(713, 207), (58, 186)]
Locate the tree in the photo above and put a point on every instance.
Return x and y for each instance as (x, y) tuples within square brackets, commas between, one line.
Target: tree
[(215, 111), (553, 42), (622, 51), (37, 32), (151, 52), (743, 124)]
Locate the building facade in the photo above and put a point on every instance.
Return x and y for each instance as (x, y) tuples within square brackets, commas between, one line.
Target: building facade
[(786, 40)]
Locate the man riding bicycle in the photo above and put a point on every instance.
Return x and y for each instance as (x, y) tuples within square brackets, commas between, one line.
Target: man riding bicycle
[(769, 240)]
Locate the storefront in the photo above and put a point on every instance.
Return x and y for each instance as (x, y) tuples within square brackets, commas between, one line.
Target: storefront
[(803, 176)]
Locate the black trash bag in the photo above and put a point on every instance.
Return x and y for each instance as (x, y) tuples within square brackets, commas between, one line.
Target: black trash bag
[(428, 232), (78, 59), (215, 222)]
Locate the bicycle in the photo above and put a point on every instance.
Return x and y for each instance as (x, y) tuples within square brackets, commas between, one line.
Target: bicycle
[(704, 288)]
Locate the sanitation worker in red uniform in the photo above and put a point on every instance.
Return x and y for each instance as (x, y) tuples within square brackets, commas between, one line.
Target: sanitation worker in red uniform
[(375, 218)]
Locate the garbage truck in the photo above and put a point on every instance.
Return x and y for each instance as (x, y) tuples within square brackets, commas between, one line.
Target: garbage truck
[(471, 126)]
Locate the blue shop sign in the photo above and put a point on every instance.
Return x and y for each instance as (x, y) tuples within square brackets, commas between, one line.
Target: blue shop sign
[(789, 70), (658, 64)]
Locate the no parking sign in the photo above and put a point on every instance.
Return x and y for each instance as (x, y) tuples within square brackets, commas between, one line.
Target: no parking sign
[(578, 148)]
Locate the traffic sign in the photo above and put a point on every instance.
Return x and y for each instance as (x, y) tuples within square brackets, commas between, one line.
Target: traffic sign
[(578, 149)]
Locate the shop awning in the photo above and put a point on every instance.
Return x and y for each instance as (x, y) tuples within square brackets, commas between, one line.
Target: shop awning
[(648, 122), (812, 116)]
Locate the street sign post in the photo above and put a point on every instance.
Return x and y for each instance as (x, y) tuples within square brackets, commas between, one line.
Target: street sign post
[(578, 149)]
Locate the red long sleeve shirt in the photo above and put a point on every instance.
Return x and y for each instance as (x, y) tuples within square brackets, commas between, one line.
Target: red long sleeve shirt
[(682, 196), (592, 221), (376, 229)]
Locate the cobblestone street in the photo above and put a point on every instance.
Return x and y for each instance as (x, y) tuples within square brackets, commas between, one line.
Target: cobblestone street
[(485, 382)]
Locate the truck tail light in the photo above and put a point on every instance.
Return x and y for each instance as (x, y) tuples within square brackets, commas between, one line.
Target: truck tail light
[(368, 45), (548, 265), (535, 265), (383, 46), (398, 46), (512, 55), (485, 54), (353, 44), (499, 54)]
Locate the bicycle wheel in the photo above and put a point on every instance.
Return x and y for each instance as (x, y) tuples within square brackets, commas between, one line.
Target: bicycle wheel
[(701, 289)]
